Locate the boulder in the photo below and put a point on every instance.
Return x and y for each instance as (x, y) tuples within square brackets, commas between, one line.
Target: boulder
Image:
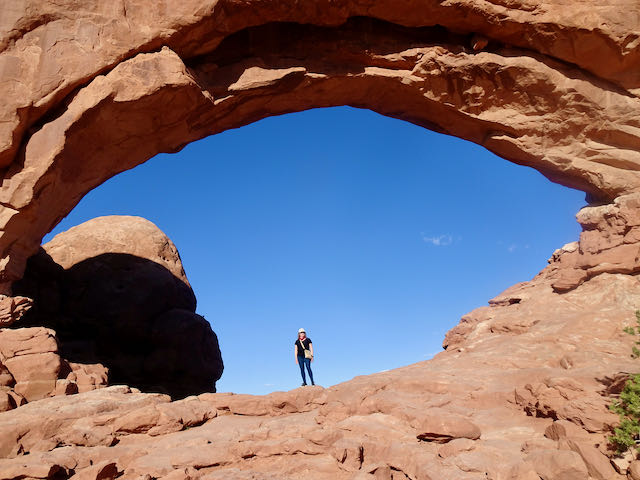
[(563, 429), (36, 375), (115, 291), (558, 465), (88, 376), (444, 427), (30, 356), (26, 341), (12, 309), (186, 351), (598, 465)]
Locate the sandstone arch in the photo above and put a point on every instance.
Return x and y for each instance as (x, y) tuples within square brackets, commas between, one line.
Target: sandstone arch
[(93, 91), (92, 88)]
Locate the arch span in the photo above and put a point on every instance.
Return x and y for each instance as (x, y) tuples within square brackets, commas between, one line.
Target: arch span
[(95, 92)]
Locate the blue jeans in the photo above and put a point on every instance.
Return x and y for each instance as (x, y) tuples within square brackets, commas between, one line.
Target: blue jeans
[(302, 362)]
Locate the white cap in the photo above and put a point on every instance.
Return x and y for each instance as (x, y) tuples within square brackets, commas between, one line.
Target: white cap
[(301, 330)]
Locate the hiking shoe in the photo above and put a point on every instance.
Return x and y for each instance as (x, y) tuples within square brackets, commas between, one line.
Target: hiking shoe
[(303, 385)]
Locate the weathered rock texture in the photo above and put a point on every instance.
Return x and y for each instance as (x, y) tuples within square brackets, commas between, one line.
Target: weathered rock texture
[(94, 88), (114, 290), (523, 396), (31, 368)]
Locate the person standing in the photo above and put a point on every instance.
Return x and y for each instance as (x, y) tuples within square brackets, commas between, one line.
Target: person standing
[(303, 353)]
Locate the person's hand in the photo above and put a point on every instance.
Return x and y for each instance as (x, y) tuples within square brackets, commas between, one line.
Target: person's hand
[(311, 360)]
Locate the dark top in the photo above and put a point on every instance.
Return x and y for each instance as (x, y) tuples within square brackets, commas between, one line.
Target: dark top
[(306, 342)]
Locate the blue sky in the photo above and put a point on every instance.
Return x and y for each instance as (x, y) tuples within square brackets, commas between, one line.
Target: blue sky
[(373, 234)]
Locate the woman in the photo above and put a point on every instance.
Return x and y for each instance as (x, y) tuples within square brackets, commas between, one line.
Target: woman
[(301, 344)]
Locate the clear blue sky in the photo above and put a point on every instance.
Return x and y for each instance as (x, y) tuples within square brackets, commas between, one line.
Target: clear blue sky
[(374, 234)]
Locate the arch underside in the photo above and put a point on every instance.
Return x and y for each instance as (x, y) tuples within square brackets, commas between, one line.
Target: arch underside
[(94, 93)]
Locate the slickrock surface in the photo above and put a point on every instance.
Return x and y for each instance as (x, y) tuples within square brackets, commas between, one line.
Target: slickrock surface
[(94, 88), (523, 397), (115, 292)]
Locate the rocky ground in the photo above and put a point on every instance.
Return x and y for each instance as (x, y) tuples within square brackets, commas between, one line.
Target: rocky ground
[(524, 397)]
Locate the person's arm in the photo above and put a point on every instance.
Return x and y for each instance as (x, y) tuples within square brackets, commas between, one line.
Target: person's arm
[(295, 352), (311, 349)]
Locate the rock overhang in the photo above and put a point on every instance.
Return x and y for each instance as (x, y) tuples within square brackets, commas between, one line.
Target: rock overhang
[(120, 85)]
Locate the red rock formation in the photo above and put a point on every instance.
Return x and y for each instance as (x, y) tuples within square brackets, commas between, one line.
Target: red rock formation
[(115, 291), (555, 88), (12, 309), (518, 404), (93, 88), (31, 368)]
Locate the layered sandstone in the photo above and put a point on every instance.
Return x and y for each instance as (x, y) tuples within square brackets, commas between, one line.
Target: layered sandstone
[(96, 90), (31, 368)]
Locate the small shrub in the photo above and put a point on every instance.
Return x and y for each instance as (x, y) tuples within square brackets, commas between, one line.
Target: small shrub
[(627, 434)]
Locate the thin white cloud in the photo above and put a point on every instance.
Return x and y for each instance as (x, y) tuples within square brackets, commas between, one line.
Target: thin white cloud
[(269, 384), (512, 247), (439, 240)]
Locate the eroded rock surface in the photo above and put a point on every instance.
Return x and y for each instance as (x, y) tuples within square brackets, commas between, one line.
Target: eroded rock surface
[(522, 403), (91, 89), (31, 368), (115, 292), (94, 90)]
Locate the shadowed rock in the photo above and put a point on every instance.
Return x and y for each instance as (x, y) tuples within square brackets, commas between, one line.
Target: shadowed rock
[(552, 86), (130, 313)]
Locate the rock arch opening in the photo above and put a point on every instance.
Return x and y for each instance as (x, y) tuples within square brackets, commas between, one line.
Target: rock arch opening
[(370, 185)]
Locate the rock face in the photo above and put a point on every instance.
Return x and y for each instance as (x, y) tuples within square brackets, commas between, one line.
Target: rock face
[(548, 84), (91, 89), (114, 290), (12, 309), (528, 402), (31, 368)]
